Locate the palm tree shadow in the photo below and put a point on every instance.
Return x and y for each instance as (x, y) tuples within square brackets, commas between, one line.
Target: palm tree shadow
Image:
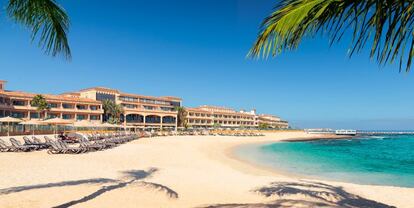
[(130, 177), (282, 203), (52, 185), (323, 195)]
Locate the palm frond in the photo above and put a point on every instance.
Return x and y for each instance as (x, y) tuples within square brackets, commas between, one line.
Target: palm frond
[(386, 25), (48, 22)]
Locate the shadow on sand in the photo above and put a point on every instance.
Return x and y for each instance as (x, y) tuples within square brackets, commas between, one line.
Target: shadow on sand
[(322, 195), (130, 177)]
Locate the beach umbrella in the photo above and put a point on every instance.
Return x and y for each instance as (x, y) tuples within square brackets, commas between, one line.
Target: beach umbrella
[(9, 120), (57, 121), (32, 123)]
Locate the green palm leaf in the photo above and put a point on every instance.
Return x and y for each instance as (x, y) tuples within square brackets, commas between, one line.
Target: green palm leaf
[(385, 25), (48, 22)]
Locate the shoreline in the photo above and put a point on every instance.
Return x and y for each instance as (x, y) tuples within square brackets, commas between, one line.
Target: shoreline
[(231, 152), (254, 168)]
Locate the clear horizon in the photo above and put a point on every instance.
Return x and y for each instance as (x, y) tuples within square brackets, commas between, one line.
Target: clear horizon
[(197, 51)]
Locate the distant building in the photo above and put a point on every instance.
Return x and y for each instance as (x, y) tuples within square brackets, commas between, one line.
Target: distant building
[(209, 116), (272, 121)]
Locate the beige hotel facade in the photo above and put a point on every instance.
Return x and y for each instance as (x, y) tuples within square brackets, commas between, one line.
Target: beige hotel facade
[(139, 110), (213, 116)]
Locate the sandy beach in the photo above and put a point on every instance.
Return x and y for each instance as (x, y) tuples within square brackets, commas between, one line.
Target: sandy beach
[(177, 171)]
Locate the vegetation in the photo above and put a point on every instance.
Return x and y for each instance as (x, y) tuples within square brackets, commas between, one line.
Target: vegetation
[(47, 21), (385, 25), (112, 111), (181, 117), (263, 126), (41, 105)]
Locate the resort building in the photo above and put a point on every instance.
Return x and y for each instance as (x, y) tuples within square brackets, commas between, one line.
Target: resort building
[(209, 116), (86, 104), (271, 121), (139, 110), (17, 104)]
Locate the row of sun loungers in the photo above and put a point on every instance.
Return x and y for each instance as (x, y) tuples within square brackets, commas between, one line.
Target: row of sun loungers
[(218, 133), (91, 143), (82, 144), (206, 133)]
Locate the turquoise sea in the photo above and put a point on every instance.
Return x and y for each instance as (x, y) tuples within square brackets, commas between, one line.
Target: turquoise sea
[(375, 160)]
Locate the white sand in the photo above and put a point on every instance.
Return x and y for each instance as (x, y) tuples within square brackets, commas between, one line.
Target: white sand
[(200, 169)]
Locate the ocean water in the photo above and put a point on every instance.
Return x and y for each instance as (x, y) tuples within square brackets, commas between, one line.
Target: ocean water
[(380, 160)]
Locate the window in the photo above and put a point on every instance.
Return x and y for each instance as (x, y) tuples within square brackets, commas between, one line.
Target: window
[(17, 115), (67, 105), (53, 105), (167, 109), (129, 106), (128, 99), (81, 117), (19, 103), (67, 116), (102, 97), (149, 107), (81, 107), (34, 115), (95, 117), (94, 107), (175, 104)]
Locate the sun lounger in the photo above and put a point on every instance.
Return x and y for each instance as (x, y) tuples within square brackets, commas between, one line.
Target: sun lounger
[(4, 147), (35, 142), (20, 147)]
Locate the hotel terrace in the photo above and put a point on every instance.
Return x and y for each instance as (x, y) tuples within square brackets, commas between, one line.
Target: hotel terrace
[(139, 110)]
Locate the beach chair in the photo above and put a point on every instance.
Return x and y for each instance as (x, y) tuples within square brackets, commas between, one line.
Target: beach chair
[(86, 144), (66, 149), (35, 142), (20, 147), (4, 147)]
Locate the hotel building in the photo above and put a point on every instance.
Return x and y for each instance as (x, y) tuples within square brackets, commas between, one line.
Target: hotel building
[(272, 121), (139, 110), (17, 104), (209, 116), (86, 104)]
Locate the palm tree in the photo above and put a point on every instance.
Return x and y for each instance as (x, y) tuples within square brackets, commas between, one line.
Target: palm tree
[(41, 105), (385, 25), (181, 116), (112, 111), (47, 21)]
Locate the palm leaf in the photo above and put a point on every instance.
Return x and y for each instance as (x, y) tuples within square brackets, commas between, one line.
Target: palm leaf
[(385, 25), (48, 22)]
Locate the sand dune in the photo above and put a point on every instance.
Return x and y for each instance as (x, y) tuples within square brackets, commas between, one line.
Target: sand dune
[(189, 171)]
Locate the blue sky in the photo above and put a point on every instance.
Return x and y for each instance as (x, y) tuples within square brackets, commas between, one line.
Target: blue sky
[(196, 49)]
